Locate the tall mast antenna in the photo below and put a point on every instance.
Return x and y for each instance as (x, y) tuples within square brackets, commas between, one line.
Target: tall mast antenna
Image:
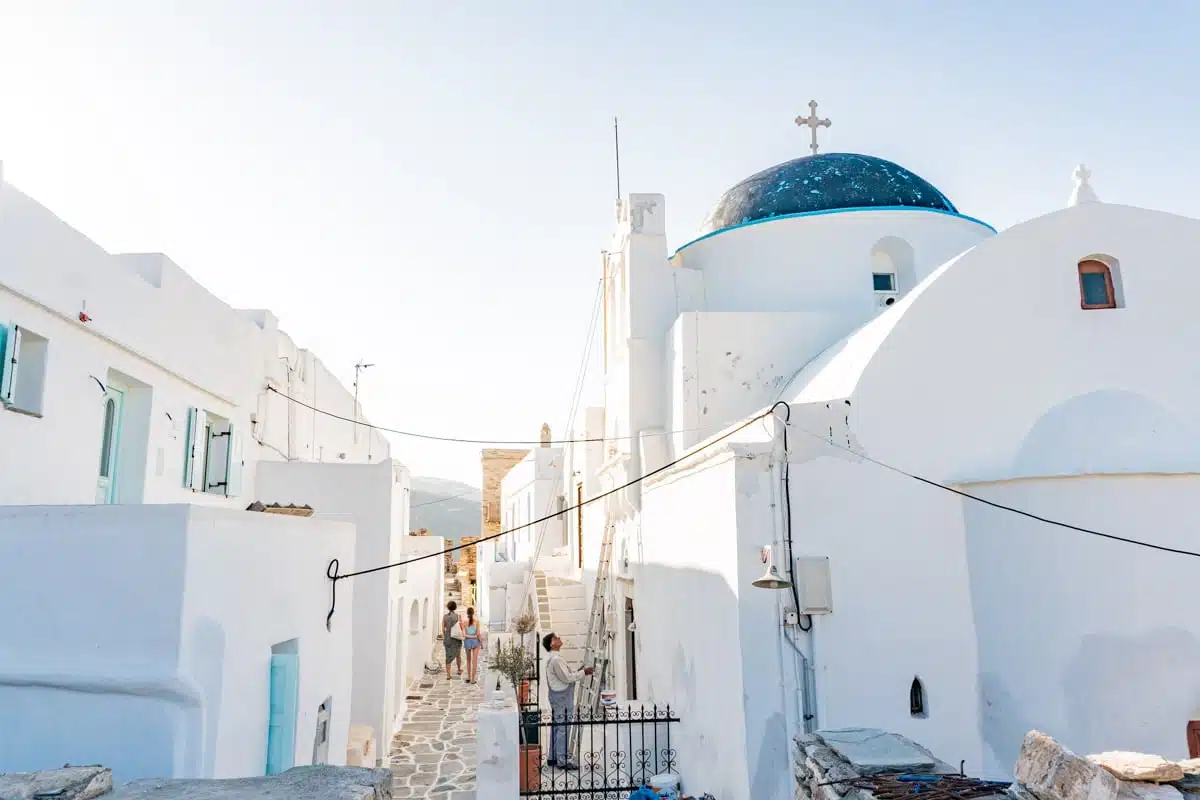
[(617, 151)]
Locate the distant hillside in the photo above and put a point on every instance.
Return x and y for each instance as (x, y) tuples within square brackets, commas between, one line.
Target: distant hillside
[(447, 508)]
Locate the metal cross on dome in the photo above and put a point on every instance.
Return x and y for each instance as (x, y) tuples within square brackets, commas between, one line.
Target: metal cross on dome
[(813, 122)]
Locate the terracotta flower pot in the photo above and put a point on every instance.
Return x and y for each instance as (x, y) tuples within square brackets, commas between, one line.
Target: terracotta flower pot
[(531, 767), (523, 693)]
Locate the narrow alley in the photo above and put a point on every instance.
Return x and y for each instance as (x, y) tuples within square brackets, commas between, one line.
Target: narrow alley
[(433, 755)]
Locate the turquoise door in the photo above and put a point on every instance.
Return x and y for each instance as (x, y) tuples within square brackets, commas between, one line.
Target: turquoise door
[(281, 730), (110, 446)]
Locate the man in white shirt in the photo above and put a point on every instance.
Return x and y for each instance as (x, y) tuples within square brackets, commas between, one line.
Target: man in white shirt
[(560, 683)]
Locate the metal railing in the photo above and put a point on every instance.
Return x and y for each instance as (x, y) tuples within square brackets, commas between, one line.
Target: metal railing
[(616, 750)]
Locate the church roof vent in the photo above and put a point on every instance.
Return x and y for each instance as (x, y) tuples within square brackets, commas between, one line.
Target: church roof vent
[(1083, 191)]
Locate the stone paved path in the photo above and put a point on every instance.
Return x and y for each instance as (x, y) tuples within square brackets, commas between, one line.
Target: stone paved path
[(433, 755)]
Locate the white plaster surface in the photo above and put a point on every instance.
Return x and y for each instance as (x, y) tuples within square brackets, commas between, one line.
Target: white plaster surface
[(154, 637), (497, 775), (172, 345), (374, 497)]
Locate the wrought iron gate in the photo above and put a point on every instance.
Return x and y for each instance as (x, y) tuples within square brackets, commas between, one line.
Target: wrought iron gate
[(616, 750)]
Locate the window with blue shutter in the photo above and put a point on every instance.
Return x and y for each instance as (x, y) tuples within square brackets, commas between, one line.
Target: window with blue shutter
[(234, 461), (281, 722), (189, 449), (8, 368)]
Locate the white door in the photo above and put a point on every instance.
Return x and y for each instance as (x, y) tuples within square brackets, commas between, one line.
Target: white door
[(110, 446)]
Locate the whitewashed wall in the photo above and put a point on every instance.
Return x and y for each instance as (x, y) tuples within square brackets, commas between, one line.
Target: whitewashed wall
[(901, 603), (723, 366), (150, 650), (424, 583), (172, 345), (1064, 394), (1087, 639), (690, 550), (821, 262), (530, 491), (362, 495)]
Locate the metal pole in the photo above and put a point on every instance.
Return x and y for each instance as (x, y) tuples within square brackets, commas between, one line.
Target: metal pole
[(617, 151)]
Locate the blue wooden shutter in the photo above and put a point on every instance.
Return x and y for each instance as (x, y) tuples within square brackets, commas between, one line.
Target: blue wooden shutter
[(8, 370), (281, 723), (233, 464), (189, 449)]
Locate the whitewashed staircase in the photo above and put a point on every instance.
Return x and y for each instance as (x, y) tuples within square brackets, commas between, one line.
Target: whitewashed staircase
[(562, 608)]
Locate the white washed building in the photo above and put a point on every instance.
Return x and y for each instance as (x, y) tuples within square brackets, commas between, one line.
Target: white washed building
[(125, 383), (1043, 368)]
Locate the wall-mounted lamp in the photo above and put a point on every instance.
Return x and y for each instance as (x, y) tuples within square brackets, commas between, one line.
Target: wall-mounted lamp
[(771, 579)]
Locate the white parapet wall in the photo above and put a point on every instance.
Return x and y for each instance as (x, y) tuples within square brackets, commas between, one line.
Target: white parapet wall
[(142, 638), (497, 773)]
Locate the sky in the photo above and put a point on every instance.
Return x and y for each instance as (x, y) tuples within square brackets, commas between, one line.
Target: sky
[(428, 186)]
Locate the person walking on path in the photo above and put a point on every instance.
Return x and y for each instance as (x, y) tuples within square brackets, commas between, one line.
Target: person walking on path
[(472, 643), (452, 637), (560, 680)]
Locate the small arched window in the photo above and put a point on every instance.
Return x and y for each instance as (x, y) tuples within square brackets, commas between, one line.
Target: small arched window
[(1096, 289), (916, 699)]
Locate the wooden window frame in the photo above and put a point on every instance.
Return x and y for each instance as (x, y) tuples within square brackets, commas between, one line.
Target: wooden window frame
[(1092, 266)]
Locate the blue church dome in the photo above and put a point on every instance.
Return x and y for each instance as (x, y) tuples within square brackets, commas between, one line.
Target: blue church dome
[(824, 182)]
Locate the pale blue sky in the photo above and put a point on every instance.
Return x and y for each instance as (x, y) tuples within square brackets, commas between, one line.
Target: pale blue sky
[(428, 185)]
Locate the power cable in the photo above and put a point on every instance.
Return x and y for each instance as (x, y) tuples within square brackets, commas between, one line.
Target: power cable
[(986, 502), (576, 397), (443, 499), (332, 573), (463, 440), (787, 503)]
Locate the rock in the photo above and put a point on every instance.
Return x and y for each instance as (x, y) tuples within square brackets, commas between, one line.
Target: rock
[(1139, 767), (1018, 792), (805, 739), (1052, 772), (871, 751), (299, 783), (1190, 782), (837, 776), (68, 783), (1147, 791), (824, 757)]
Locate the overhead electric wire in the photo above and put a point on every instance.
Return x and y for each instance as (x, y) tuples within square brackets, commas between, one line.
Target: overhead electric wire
[(463, 440), (443, 499), (576, 397), (332, 573), (992, 503)]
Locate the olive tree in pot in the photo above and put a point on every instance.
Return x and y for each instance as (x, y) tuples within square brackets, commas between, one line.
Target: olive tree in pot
[(524, 625), (512, 661)]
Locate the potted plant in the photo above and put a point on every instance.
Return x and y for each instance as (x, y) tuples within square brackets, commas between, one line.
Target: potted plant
[(524, 625), (513, 662)]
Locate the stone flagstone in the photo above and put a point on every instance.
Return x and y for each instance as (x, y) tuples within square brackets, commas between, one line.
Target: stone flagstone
[(433, 755)]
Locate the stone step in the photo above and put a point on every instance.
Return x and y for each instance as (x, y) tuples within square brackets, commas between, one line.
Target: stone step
[(571, 631), (564, 592)]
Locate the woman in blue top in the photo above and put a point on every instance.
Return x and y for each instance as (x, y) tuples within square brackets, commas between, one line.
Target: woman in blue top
[(471, 643)]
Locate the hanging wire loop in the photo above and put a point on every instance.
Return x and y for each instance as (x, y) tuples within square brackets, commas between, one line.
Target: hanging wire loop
[(331, 572)]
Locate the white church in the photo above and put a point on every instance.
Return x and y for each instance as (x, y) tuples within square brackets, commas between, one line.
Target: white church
[(840, 362), (151, 622)]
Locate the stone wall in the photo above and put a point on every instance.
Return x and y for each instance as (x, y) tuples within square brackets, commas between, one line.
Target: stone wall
[(840, 763), (865, 763), (496, 464), (299, 783), (1048, 771)]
